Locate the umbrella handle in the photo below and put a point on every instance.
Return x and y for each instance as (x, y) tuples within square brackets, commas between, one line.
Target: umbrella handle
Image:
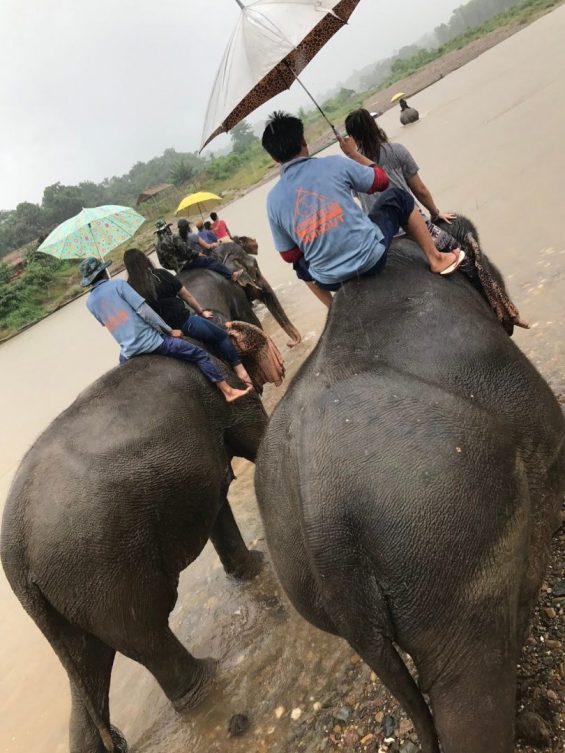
[(322, 113), (94, 241)]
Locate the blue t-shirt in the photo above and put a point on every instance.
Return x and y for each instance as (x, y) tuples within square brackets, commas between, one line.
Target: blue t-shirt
[(312, 207), (115, 303), (207, 236)]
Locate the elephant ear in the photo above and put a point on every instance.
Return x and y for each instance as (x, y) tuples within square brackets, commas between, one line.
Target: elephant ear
[(260, 355)]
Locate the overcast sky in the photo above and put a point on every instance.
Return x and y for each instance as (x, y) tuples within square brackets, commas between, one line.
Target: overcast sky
[(88, 88)]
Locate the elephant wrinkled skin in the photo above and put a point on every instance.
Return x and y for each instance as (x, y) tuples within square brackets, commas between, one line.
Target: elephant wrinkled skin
[(409, 483), (117, 497)]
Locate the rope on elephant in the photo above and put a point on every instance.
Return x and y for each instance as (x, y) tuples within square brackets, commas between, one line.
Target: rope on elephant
[(477, 268), (262, 358)]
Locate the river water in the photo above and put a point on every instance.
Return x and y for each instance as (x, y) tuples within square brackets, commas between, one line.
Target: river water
[(489, 145)]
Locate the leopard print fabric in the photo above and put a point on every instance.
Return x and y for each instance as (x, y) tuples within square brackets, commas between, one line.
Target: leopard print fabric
[(260, 355), (476, 267), (281, 77)]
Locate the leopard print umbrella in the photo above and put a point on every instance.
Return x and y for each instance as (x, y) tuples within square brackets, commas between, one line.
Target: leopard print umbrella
[(283, 74)]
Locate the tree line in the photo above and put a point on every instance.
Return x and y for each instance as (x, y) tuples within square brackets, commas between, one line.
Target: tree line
[(464, 18), (29, 221)]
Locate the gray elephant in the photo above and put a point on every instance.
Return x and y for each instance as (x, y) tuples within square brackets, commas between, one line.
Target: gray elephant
[(112, 502), (240, 255), (409, 483)]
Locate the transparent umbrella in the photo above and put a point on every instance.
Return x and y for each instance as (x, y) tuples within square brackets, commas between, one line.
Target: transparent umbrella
[(274, 40)]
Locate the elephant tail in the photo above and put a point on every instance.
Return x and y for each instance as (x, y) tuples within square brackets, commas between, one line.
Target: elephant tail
[(357, 604), (48, 620), (375, 646)]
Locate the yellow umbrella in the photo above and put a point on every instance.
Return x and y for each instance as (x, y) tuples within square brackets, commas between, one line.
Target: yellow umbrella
[(199, 202), (397, 97)]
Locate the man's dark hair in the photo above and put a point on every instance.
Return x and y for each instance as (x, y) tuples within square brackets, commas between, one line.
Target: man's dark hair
[(207, 225), (283, 137), (214, 216), (183, 226), (102, 275)]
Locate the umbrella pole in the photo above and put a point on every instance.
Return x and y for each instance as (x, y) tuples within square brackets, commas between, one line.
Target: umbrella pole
[(94, 241), (322, 113)]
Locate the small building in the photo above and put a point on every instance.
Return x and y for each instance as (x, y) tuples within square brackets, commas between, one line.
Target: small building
[(152, 192)]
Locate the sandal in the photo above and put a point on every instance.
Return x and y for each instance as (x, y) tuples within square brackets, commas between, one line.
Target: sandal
[(456, 264)]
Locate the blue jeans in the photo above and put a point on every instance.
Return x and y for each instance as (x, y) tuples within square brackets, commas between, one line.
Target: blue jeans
[(204, 262), (208, 332), (176, 347), (390, 212)]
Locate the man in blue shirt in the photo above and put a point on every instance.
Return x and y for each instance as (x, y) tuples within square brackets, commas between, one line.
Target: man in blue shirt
[(319, 228), (138, 329), (206, 233)]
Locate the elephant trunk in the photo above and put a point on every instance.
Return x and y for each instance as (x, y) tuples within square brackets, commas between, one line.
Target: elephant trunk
[(269, 298)]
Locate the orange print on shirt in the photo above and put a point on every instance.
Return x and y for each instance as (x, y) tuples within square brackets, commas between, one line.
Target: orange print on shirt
[(116, 320), (315, 214)]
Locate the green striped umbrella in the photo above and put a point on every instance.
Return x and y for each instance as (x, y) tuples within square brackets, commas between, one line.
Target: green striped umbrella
[(92, 232)]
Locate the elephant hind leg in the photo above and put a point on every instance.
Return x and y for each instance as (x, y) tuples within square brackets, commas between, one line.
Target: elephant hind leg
[(228, 542), (88, 662), (93, 660), (380, 654), (183, 678), (474, 709)]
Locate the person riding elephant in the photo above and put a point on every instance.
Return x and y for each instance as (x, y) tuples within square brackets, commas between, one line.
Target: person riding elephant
[(410, 507), (168, 297), (117, 497), (139, 330), (239, 253), (176, 251), (402, 170), (407, 114), (317, 226)]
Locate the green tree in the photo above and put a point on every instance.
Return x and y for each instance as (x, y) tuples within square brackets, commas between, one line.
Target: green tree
[(61, 202), (242, 137), (93, 194), (181, 172), (28, 222), (4, 273)]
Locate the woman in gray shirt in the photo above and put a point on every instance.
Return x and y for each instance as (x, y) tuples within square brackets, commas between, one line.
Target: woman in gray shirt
[(401, 168)]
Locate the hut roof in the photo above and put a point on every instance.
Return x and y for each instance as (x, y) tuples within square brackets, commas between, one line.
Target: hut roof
[(152, 191)]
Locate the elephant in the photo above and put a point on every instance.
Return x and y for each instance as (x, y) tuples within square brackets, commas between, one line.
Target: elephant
[(239, 255), (409, 483), (117, 497)]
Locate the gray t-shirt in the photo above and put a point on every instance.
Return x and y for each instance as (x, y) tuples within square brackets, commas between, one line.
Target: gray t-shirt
[(399, 165)]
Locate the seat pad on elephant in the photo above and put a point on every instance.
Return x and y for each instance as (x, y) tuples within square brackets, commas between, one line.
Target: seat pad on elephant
[(263, 359)]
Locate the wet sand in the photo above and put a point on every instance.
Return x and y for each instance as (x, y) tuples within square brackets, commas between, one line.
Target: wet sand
[(490, 145)]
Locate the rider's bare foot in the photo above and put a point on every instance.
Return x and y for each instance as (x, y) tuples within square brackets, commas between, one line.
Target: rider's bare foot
[(231, 393), (242, 373), (235, 394)]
